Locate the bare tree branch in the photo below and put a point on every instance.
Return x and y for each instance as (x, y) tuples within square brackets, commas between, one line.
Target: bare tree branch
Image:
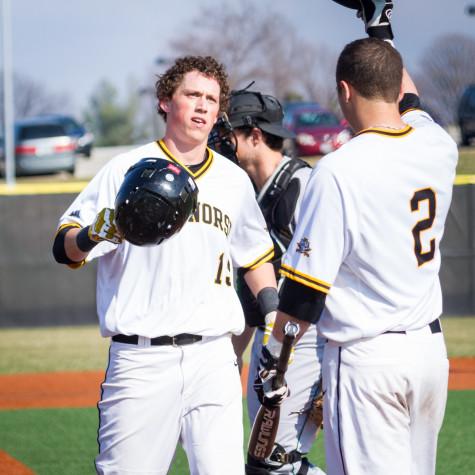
[(31, 98), (261, 46), (446, 68)]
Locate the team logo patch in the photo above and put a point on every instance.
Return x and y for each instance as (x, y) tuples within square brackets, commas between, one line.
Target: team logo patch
[(303, 247)]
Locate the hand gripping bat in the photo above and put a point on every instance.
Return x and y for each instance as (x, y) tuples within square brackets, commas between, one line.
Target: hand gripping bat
[(266, 422)]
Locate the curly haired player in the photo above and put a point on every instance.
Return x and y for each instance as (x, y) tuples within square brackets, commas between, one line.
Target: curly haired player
[(170, 309)]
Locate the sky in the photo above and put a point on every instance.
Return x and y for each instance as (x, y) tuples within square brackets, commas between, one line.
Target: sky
[(70, 46)]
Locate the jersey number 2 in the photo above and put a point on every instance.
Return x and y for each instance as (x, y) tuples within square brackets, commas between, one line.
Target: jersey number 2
[(424, 224)]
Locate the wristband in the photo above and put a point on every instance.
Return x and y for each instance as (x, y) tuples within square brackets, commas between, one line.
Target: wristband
[(268, 300), (83, 241)]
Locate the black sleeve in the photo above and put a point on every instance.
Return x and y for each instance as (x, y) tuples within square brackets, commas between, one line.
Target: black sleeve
[(59, 252), (409, 101), (301, 301)]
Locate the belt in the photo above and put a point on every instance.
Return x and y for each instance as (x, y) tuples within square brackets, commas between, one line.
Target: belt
[(434, 326), (177, 340)]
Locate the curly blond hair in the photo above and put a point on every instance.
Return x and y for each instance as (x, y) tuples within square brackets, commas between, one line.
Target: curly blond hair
[(168, 82)]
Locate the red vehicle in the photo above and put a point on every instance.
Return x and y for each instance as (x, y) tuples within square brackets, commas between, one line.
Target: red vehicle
[(317, 130)]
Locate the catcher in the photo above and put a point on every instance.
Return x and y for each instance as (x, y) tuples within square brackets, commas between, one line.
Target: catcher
[(252, 135)]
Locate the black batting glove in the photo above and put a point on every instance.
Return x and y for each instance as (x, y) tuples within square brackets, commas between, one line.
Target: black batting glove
[(264, 384)]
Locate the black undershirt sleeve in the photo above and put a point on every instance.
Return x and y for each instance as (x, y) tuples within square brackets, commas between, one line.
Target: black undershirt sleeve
[(59, 252), (409, 101), (301, 301)]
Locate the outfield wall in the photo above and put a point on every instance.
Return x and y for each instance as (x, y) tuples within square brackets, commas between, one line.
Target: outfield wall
[(34, 290)]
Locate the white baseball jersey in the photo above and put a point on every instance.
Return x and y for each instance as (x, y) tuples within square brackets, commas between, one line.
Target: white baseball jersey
[(369, 234), (185, 284)]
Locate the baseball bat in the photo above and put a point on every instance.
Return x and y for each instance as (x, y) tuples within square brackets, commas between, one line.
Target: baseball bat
[(266, 422)]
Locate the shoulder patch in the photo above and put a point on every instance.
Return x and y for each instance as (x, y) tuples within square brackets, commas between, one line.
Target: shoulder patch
[(303, 247)]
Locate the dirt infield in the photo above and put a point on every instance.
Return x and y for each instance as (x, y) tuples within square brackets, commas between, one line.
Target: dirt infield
[(82, 389), (11, 466)]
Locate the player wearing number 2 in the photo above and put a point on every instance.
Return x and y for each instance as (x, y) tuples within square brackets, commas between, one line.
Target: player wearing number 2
[(171, 308), (364, 263)]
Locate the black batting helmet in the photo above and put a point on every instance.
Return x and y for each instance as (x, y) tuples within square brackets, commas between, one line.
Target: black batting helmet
[(154, 202)]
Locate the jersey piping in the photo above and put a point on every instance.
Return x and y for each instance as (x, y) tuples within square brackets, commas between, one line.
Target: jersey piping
[(267, 256), (388, 132), (304, 279), (200, 172), (412, 109)]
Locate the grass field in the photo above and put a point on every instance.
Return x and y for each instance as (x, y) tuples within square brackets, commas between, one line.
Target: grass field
[(81, 348), (466, 164), (63, 441)]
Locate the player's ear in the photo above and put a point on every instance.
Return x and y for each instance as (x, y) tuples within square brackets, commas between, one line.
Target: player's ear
[(256, 136), (344, 91), (164, 104)]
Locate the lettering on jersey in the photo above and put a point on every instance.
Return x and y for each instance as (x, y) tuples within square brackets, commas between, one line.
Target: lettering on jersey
[(208, 214), (303, 247), (76, 213)]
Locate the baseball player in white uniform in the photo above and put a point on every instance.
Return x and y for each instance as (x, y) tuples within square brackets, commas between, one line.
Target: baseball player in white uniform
[(254, 136), (171, 309), (364, 264)]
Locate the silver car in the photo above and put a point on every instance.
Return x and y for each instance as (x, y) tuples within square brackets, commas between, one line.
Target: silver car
[(42, 147)]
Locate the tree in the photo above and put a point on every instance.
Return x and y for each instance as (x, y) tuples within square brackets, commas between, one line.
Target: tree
[(261, 46), (446, 68), (32, 98), (111, 122)]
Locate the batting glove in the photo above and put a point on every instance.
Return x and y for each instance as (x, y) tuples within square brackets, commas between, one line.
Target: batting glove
[(270, 320), (103, 228), (264, 383), (376, 15)]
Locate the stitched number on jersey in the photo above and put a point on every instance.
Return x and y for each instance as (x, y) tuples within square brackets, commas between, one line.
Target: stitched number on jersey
[(423, 224), (227, 272)]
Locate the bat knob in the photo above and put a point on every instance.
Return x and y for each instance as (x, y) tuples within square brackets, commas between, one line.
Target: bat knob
[(291, 329)]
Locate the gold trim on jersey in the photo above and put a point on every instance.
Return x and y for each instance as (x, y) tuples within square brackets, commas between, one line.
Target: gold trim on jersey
[(412, 109), (267, 256), (304, 279), (67, 225), (199, 173), (388, 132)]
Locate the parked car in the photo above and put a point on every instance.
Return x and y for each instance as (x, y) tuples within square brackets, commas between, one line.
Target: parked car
[(84, 138), (466, 115), (42, 146), (317, 130), (291, 108)]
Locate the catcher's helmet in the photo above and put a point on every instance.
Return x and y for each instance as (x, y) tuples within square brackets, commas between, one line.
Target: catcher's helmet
[(253, 109), (247, 109), (154, 202)]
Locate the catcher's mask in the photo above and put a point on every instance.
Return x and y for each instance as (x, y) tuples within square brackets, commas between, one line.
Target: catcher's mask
[(222, 138), (247, 109), (154, 201)]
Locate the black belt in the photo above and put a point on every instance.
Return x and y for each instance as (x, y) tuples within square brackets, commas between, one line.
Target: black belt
[(177, 340), (434, 326)]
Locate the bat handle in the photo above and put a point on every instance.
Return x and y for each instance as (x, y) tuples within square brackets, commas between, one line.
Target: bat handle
[(291, 331)]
